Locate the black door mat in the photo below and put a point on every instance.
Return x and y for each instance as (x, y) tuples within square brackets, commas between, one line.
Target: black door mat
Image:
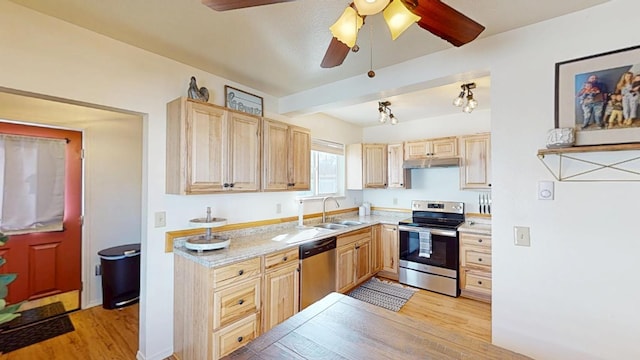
[(33, 327)]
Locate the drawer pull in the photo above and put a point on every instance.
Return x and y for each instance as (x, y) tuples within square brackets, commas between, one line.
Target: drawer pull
[(240, 338), (240, 302), (479, 282), (285, 258), (240, 272), (479, 240), (479, 259)]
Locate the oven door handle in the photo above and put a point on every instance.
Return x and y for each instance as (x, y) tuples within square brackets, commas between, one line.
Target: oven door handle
[(413, 229)]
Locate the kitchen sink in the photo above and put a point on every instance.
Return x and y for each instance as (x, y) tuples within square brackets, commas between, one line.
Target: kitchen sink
[(331, 226)]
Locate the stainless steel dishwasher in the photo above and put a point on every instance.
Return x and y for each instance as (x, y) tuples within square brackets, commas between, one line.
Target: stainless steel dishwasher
[(317, 270)]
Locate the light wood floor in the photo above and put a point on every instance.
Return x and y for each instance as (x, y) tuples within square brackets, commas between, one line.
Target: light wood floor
[(113, 334)]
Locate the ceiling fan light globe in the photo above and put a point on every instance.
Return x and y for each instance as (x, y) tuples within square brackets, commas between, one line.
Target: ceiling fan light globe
[(370, 7), (398, 18), (346, 27)]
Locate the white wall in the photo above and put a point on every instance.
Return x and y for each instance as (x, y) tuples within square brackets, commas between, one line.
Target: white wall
[(571, 295)]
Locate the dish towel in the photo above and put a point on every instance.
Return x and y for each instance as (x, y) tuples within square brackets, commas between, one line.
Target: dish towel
[(425, 244)]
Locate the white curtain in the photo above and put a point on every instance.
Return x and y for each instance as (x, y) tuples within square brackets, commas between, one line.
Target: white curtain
[(32, 176)]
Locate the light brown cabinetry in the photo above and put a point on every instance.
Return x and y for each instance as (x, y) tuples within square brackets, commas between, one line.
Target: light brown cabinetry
[(216, 311), (439, 147), (366, 166), (286, 156), (475, 169), (376, 248), (211, 149), (390, 257), (353, 254), (475, 266), (282, 284), (398, 177)]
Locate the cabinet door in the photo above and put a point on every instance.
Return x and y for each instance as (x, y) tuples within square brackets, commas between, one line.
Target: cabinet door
[(374, 165), (363, 260), (475, 172), (416, 149), (299, 158), (398, 177), (345, 267), (244, 152), (206, 148), (376, 249), (444, 147), (275, 155), (390, 250), (281, 295)]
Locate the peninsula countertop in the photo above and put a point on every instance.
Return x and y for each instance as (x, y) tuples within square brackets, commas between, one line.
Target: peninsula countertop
[(243, 247), (341, 327)]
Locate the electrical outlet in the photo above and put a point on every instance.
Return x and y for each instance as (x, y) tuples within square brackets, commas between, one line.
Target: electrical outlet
[(98, 270), (160, 219), (395, 201), (521, 236), (278, 208)]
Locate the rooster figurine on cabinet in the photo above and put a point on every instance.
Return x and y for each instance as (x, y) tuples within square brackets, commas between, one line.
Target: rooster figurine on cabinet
[(201, 94)]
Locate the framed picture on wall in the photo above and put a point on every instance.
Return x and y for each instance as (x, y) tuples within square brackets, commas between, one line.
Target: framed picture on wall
[(599, 96), (243, 101)]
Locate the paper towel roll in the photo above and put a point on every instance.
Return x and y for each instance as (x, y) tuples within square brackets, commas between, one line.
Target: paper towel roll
[(361, 211), (300, 213)]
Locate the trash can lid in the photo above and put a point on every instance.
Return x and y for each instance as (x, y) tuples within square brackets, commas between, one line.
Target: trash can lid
[(121, 251)]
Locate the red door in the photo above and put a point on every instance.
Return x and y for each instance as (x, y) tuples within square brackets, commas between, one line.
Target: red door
[(49, 263)]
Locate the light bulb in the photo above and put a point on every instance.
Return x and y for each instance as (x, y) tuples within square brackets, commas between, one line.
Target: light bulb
[(383, 117), (394, 120), (472, 103), (459, 100), (468, 109)]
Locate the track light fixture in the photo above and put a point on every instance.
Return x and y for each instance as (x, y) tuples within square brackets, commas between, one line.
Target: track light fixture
[(385, 113), (471, 102)]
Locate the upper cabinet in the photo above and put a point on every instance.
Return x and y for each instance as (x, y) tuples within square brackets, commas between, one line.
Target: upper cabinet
[(398, 177), (440, 147), (475, 170), (366, 166), (286, 156), (211, 149)]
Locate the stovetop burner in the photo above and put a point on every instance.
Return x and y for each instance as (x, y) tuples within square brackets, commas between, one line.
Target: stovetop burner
[(439, 214)]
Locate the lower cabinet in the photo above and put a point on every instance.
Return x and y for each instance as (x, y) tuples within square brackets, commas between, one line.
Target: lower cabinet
[(475, 266), (353, 259), (282, 287), (389, 243)]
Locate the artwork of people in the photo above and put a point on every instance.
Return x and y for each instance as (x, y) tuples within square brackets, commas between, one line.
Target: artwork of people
[(608, 99)]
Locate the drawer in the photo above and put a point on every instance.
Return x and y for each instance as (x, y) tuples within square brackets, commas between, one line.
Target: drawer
[(235, 302), (475, 240), (477, 258), (358, 235), (235, 336), (478, 281), (274, 261), (232, 274)]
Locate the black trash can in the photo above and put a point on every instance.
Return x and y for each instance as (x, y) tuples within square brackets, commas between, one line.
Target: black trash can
[(120, 275)]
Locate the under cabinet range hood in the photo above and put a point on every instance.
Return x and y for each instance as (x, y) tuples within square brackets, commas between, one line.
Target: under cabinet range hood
[(431, 162)]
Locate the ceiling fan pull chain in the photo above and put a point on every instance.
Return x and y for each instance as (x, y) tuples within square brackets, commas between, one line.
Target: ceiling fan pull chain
[(371, 73)]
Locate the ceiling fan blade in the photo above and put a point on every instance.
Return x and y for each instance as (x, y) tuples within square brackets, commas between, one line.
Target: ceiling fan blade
[(444, 21), (335, 55), (223, 5)]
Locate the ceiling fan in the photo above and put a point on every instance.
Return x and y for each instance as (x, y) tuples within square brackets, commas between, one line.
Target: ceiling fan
[(431, 15)]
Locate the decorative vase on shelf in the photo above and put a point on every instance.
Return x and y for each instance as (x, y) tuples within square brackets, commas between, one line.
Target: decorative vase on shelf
[(561, 138)]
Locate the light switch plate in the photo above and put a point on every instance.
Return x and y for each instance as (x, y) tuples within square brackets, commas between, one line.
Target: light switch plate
[(160, 219), (521, 236), (545, 190)]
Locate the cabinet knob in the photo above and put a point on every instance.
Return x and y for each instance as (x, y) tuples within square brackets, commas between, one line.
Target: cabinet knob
[(240, 272), (241, 301), (225, 185), (357, 247), (479, 240), (479, 282), (285, 258), (231, 185), (479, 259), (240, 338)]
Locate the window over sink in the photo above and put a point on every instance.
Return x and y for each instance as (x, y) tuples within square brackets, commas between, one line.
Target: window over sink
[(327, 169)]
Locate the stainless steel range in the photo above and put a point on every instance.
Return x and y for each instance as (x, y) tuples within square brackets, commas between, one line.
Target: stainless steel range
[(429, 246)]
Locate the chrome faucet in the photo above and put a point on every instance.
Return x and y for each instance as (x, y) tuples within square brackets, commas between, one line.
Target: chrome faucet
[(324, 207)]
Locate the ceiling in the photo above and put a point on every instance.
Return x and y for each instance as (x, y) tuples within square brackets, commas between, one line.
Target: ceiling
[(277, 49)]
